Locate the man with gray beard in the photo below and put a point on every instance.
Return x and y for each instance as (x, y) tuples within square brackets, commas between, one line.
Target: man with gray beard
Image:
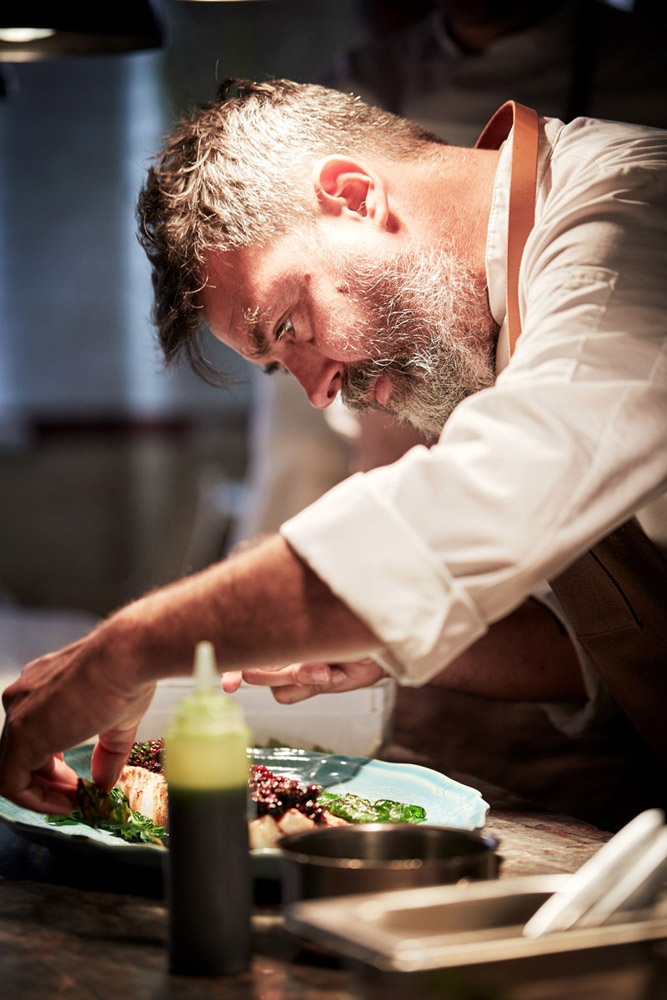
[(429, 329), (434, 569)]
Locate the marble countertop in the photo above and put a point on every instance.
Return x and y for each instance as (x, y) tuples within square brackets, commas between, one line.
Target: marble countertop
[(75, 930)]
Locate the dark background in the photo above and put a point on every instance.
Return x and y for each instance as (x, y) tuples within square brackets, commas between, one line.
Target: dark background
[(107, 464)]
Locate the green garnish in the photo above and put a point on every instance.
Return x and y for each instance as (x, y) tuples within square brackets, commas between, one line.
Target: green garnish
[(111, 813), (355, 809), (148, 755)]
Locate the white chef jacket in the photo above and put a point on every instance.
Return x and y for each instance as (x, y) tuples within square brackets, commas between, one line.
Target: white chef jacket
[(569, 442)]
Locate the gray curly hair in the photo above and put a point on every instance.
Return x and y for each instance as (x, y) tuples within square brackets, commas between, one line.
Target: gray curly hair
[(234, 173)]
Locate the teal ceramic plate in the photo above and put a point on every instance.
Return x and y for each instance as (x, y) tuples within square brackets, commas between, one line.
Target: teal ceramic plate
[(447, 802)]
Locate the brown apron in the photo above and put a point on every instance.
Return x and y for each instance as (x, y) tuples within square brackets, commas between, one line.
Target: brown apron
[(615, 595)]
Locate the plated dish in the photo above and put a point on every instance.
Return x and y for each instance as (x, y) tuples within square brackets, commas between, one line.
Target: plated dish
[(447, 802)]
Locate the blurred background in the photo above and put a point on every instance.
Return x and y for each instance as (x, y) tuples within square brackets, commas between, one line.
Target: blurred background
[(104, 458), (116, 477)]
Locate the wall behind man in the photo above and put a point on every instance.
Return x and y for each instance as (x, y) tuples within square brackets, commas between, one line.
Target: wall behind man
[(103, 454)]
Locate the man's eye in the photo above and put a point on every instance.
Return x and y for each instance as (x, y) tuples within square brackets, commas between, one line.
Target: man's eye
[(270, 369), (285, 328)]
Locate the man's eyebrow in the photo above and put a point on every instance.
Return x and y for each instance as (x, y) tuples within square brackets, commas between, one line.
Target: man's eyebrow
[(259, 341)]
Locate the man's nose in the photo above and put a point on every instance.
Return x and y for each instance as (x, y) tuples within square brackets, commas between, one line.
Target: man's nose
[(320, 377)]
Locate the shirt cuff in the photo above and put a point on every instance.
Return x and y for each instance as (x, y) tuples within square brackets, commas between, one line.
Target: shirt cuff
[(377, 564)]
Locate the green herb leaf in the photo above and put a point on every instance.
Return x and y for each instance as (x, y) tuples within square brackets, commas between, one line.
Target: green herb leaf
[(111, 813), (356, 809)]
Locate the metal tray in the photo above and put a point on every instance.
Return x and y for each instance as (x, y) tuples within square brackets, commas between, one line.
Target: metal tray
[(475, 927)]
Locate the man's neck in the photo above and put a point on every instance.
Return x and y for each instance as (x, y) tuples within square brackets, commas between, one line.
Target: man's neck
[(454, 202)]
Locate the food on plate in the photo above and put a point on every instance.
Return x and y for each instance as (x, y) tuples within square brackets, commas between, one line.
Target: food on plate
[(146, 792), (137, 807), (356, 809), (143, 781), (284, 806), (110, 812)]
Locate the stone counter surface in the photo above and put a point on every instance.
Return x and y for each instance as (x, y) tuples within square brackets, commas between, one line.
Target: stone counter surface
[(72, 944), (72, 929), (542, 844)]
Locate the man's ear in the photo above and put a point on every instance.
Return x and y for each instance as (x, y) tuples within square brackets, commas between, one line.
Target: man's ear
[(343, 185)]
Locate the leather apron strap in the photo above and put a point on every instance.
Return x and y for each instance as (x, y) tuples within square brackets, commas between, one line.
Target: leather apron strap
[(523, 182), (615, 595)]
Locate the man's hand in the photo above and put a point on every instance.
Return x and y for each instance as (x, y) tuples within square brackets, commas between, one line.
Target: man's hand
[(527, 656), (61, 700), (261, 606), (304, 680)]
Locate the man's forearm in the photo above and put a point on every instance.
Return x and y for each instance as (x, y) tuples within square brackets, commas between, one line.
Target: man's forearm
[(261, 607), (525, 657)]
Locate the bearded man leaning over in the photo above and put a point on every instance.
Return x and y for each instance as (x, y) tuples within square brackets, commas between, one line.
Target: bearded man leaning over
[(313, 233)]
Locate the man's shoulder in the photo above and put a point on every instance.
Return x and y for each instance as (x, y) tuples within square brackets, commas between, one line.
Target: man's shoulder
[(607, 143)]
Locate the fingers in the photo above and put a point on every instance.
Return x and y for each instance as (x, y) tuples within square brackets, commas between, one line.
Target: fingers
[(231, 681), (49, 789), (304, 680), (316, 674), (43, 797), (109, 755), (58, 701), (54, 787), (290, 684), (291, 694)]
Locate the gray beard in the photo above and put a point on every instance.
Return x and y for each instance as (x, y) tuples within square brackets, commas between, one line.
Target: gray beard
[(429, 330)]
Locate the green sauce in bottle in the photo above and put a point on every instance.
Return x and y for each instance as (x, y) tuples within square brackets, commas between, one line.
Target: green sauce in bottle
[(209, 892)]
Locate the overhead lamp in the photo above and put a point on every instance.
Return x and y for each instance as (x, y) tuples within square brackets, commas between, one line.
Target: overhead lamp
[(31, 30)]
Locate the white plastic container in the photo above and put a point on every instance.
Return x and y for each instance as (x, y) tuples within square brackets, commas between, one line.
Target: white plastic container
[(354, 723)]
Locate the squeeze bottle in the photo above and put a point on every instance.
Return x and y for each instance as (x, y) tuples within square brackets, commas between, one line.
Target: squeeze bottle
[(208, 867)]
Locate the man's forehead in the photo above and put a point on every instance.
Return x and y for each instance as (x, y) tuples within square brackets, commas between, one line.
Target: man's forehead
[(230, 273), (230, 300), (223, 267), (240, 267), (221, 285)]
